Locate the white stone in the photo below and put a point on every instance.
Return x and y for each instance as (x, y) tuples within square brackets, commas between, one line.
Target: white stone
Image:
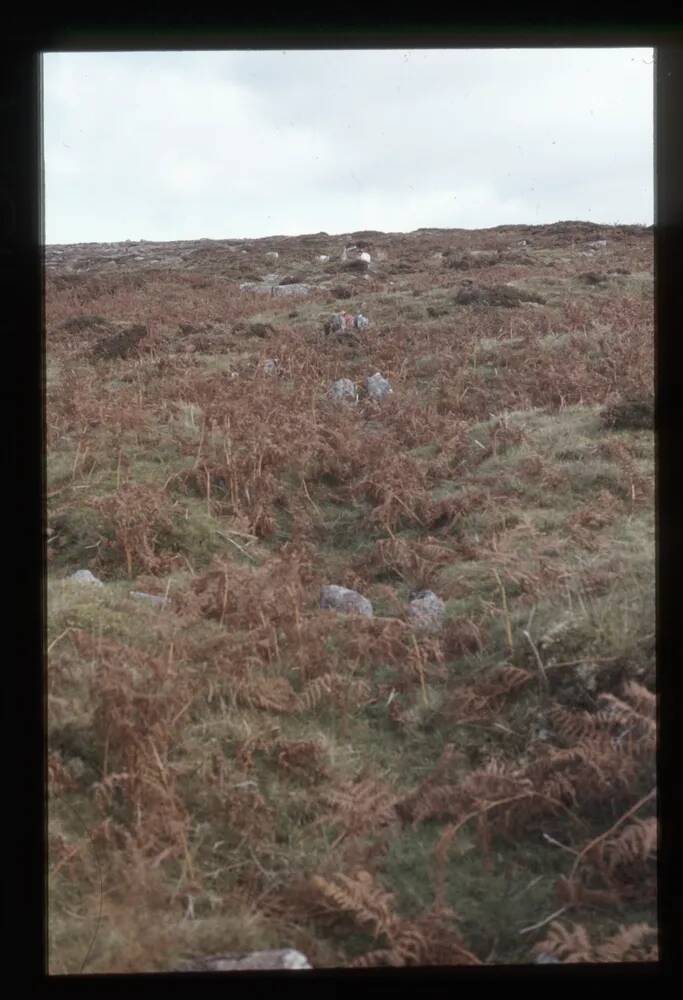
[(85, 576), (150, 598), (377, 386), (427, 611), (344, 388), (293, 289), (285, 958), (345, 600)]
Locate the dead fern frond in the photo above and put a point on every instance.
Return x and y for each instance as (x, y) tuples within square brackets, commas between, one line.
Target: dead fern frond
[(272, 694), (360, 806), (573, 725), (361, 898), (637, 943), (618, 715), (378, 957), (351, 691), (635, 845), (642, 700), (568, 944)]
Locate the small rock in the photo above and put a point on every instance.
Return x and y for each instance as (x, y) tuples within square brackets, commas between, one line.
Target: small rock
[(345, 600), (343, 388), (150, 598), (323, 258), (85, 576), (598, 243), (270, 366), (377, 386), (543, 958), (426, 611), (292, 289), (272, 254), (285, 958), (256, 287)]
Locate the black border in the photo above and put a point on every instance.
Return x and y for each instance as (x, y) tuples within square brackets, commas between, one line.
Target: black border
[(21, 323)]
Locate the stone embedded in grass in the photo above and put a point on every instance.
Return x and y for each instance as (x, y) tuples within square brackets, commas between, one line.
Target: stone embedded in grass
[(256, 287), (150, 598), (377, 386), (345, 600), (285, 958), (343, 388), (295, 288), (426, 611), (85, 576), (270, 366)]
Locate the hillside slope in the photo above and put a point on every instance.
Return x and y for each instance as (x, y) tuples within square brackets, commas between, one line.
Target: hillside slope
[(233, 767)]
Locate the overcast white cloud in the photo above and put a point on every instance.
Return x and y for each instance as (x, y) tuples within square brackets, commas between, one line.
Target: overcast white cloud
[(184, 145)]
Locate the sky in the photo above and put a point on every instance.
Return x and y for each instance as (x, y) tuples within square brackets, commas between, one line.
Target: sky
[(243, 144)]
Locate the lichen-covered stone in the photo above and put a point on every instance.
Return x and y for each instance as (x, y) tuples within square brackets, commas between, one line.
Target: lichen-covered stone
[(343, 388), (285, 958), (85, 576), (345, 600), (377, 386), (426, 611)]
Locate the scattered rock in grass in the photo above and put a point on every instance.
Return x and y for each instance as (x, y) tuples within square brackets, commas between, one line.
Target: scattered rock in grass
[(344, 388), (496, 295), (270, 366), (256, 287), (323, 258), (426, 611), (596, 244), (295, 288), (272, 254), (150, 598), (344, 322), (630, 414), (85, 576), (377, 386), (293, 279), (344, 600), (285, 958)]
